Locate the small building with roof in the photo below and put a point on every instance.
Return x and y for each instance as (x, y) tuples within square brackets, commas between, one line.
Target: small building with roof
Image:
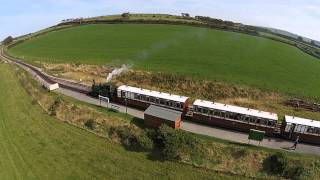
[(155, 116)]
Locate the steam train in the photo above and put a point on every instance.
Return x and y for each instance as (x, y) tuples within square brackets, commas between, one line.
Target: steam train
[(221, 115)]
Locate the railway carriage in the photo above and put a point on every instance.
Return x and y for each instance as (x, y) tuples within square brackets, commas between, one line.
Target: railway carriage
[(234, 117), (143, 98), (308, 130)]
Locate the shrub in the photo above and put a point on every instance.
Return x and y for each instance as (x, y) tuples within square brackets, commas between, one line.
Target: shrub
[(297, 171), (132, 139), (174, 144), (53, 107), (278, 163), (144, 143), (90, 124)]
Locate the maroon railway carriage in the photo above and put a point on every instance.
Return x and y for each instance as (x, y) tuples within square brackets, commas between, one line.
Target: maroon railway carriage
[(143, 98), (233, 117), (308, 130)]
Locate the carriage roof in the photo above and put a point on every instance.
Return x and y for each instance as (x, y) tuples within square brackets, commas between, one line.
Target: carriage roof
[(236, 109), (302, 121), (155, 94)]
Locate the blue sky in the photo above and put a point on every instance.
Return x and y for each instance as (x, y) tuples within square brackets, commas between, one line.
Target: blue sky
[(19, 17)]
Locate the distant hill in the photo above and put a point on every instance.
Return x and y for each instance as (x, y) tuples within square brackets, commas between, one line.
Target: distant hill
[(292, 35)]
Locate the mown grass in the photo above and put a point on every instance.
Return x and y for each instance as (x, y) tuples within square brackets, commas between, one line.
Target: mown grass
[(197, 52), (34, 145)]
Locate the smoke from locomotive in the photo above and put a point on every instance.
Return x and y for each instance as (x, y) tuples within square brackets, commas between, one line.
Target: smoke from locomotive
[(117, 72)]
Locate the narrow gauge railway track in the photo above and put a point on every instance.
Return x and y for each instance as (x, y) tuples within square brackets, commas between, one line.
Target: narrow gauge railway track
[(66, 84)]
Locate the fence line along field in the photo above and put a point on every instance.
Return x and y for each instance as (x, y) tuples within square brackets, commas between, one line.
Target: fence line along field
[(191, 51), (33, 145)]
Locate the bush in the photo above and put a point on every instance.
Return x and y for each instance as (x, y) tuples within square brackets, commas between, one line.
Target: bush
[(90, 124), (278, 163), (131, 139), (174, 144), (54, 106), (144, 143), (297, 171)]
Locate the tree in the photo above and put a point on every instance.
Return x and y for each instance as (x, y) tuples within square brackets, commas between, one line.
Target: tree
[(300, 38), (125, 15), (7, 40), (313, 42), (185, 14)]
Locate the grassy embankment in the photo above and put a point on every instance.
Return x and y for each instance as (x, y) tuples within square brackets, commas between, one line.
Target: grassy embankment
[(35, 145), (194, 52)]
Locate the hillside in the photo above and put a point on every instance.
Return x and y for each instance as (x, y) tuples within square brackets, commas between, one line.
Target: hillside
[(34, 145), (191, 51)]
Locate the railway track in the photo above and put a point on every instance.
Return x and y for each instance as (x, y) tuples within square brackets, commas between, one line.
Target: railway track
[(63, 83)]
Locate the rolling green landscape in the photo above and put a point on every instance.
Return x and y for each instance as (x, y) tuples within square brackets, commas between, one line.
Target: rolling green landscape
[(34, 145), (190, 51)]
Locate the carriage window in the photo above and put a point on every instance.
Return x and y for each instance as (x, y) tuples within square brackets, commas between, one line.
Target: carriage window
[(205, 111), (181, 105), (310, 129), (216, 113), (288, 127), (252, 120), (123, 94), (298, 128), (247, 118), (227, 115), (271, 123), (162, 101), (211, 112), (238, 117), (157, 101), (223, 114), (303, 129), (259, 121), (136, 96)]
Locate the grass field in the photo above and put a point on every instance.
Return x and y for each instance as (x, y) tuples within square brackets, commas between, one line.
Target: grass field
[(198, 52), (34, 145)]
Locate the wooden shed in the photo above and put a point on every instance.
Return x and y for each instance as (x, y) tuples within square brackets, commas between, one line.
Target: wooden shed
[(155, 116)]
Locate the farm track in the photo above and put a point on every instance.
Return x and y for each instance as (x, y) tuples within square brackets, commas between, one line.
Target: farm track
[(78, 91)]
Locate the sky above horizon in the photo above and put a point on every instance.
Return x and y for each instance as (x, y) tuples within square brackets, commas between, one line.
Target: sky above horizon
[(18, 17)]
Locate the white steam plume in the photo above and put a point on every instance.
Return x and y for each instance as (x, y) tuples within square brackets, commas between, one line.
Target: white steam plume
[(116, 72)]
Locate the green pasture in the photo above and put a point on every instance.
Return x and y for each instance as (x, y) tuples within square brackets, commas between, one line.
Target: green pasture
[(191, 51)]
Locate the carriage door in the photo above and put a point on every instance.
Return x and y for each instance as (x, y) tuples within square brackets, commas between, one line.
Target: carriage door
[(293, 126)]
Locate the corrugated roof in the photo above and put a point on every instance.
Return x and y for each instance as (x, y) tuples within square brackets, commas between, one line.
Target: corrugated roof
[(302, 121), (156, 94), (163, 113), (236, 109)]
